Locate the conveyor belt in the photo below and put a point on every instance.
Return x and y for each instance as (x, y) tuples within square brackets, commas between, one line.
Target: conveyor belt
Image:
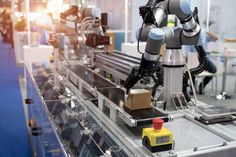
[(87, 94), (114, 94), (118, 64), (124, 61), (117, 96), (123, 56), (91, 78)]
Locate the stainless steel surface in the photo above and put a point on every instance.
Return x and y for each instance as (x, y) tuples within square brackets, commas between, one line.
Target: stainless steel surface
[(227, 150), (188, 135)]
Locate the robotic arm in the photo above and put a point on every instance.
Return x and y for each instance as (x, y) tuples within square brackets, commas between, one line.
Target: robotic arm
[(153, 13), (149, 62), (90, 18)]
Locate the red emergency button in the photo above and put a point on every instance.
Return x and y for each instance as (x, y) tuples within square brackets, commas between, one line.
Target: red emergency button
[(157, 123)]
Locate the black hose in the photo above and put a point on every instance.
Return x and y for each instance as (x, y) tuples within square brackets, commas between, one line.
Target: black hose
[(195, 71)]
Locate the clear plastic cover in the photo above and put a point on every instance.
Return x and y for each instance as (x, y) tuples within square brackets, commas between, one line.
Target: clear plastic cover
[(173, 84)]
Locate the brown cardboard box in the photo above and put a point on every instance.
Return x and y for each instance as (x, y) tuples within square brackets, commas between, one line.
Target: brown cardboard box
[(138, 99), (111, 48)]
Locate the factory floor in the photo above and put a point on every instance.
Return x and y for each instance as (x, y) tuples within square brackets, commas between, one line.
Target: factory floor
[(14, 136), (210, 97)]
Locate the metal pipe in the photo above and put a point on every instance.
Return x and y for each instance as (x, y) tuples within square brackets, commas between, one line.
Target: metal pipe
[(27, 4)]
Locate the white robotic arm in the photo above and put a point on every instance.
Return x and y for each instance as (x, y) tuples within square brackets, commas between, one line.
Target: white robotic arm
[(153, 14)]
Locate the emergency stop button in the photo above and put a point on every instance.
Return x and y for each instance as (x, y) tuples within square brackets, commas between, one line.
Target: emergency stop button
[(157, 124)]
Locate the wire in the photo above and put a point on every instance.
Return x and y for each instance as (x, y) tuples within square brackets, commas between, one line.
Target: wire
[(65, 59), (192, 84), (62, 55), (140, 32)]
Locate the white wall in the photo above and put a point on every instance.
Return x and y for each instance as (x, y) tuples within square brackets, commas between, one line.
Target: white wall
[(116, 12), (228, 22), (136, 18), (222, 13)]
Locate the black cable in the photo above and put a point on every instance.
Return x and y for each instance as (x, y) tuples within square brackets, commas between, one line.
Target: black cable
[(202, 62), (195, 15), (195, 71), (140, 32)]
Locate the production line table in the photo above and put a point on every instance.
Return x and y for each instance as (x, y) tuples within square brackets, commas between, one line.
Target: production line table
[(190, 141)]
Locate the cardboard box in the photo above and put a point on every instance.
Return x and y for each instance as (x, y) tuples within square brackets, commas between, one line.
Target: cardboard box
[(138, 99), (111, 48)]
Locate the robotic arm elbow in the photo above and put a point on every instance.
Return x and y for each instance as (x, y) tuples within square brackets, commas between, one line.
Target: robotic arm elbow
[(184, 11)]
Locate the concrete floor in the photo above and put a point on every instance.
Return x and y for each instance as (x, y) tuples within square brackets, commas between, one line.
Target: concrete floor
[(210, 97)]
